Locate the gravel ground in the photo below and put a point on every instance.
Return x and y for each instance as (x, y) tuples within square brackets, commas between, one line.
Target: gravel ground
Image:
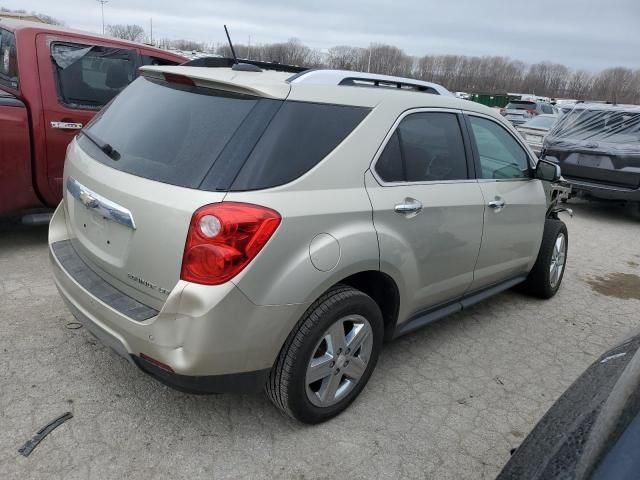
[(447, 402)]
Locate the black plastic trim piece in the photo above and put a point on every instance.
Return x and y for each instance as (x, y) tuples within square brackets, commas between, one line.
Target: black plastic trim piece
[(225, 62), (444, 310), (8, 100), (244, 382), (96, 286)]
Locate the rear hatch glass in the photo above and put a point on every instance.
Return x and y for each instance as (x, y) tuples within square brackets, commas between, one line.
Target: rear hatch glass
[(215, 140), (521, 105)]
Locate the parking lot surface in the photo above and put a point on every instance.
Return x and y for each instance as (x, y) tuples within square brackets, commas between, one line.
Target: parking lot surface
[(447, 402)]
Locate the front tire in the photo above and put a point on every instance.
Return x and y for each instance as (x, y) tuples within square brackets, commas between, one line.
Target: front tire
[(546, 275), (328, 357)]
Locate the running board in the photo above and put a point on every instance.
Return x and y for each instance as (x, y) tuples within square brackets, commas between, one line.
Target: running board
[(441, 311)]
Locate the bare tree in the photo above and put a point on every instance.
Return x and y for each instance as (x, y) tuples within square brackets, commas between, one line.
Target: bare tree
[(134, 33)]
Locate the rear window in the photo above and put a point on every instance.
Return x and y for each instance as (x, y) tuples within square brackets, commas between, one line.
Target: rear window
[(541, 122), (213, 140), (8, 59), (90, 76), (521, 106)]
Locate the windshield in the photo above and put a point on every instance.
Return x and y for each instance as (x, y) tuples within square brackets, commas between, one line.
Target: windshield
[(540, 122)]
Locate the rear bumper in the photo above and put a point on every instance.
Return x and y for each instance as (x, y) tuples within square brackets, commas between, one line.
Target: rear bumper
[(212, 338), (607, 192)]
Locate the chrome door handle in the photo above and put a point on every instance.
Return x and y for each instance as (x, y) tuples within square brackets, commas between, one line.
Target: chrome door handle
[(409, 207), (66, 125), (497, 204)]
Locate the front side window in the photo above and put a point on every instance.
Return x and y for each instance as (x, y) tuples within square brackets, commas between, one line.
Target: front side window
[(426, 147), (500, 155), (90, 76), (8, 59)]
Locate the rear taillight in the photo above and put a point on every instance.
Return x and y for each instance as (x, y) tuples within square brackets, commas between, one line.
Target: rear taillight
[(532, 112), (223, 238), (502, 110)]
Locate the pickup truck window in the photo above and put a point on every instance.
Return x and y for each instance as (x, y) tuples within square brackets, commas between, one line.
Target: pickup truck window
[(8, 59), (90, 76)]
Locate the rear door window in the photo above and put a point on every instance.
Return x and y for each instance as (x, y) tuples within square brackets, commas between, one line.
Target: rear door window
[(8, 59), (426, 147), (90, 76)]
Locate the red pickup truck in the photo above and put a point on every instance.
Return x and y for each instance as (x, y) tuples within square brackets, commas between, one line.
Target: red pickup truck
[(52, 82)]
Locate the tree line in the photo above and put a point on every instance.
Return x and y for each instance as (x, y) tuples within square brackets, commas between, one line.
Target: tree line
[(487, 74)]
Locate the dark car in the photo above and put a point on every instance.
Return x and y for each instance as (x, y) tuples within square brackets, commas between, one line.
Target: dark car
[(598, 148), (593, 431), (519, 111)]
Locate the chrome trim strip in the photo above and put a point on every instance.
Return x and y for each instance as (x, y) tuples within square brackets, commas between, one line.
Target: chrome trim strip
[(100, 204)]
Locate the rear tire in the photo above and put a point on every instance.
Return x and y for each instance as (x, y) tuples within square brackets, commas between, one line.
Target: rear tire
[(546, 275), (314, 348)]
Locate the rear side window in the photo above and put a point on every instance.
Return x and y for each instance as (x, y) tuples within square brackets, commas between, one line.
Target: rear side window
[(8, 59), (213, 140), (90, 76), (426, 147), (300, 135)]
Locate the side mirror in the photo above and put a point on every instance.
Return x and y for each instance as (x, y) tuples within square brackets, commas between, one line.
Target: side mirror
[(546, 170)]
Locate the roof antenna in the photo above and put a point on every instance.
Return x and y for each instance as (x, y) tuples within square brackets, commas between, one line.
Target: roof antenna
[(233, 52), (241, 67)]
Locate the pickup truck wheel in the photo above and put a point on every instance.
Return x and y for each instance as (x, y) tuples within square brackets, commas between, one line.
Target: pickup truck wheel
[(546, 275), (328, 357)]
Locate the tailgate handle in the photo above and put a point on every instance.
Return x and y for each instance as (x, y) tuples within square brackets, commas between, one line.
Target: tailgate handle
[(103, 206), (67, 125)]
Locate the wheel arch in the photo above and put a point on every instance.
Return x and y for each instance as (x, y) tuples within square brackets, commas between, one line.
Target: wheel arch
[(383, 290)]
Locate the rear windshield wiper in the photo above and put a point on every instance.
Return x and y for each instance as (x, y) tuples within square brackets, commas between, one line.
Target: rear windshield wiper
[(107, 149)]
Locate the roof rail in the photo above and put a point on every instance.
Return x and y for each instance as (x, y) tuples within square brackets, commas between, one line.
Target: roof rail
[(225, 62), (362, 79)]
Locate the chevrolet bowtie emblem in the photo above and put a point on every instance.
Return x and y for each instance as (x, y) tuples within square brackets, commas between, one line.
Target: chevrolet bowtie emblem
[(87, 200)]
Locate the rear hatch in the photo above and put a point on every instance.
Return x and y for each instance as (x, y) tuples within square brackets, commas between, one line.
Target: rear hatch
[(600, 145), (144, 165), (170, 144), (519, 111)]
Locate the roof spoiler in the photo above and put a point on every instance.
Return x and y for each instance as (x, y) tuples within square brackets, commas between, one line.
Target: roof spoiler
[(225, 62)]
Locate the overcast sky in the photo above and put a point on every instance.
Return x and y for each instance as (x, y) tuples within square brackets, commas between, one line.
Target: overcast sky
[(589, 34)]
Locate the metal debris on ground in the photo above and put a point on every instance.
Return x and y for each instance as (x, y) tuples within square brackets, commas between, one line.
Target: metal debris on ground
[(28, 447)]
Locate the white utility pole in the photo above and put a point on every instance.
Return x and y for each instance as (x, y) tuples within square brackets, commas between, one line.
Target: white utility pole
[(102, 2)]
